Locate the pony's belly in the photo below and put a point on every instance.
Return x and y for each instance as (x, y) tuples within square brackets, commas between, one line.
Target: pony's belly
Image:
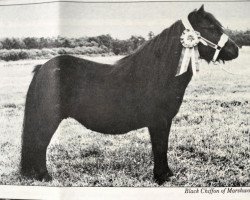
[(108, 122), (108, 127)]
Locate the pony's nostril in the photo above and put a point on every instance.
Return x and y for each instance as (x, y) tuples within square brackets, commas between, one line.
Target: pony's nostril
[(235, 52), (232, 51)]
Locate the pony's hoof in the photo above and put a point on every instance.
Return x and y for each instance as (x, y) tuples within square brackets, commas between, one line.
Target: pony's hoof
[(47, 178), (170, 173), (44, 177), (160, 179), (26, 174)]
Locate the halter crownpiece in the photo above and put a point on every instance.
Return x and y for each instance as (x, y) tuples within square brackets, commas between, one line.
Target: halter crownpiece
[(189, 40)]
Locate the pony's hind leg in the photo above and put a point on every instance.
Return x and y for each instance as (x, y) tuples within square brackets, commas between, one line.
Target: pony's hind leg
[(34, 147), (44, 135), (42, 117)]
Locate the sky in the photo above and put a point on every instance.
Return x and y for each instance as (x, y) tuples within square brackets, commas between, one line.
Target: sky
[(120, 20)]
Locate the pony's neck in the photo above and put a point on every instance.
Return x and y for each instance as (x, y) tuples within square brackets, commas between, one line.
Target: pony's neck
[(158, 58)]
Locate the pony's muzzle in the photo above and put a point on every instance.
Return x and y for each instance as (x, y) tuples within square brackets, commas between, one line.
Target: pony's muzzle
[(230, 51)]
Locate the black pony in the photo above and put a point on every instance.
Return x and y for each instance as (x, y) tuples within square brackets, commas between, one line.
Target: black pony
[(140, 90)]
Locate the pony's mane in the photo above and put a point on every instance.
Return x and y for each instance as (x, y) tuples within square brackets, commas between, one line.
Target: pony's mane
[(155, 47)]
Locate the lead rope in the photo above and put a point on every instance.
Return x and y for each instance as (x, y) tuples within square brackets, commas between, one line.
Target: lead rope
[(231, 72)]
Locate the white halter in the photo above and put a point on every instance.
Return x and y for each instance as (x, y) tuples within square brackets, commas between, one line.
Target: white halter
[(185, 58)]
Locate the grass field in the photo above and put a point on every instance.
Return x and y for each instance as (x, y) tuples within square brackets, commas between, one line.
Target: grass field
[(209, 140)]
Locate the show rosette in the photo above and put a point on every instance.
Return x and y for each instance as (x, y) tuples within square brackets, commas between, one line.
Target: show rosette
[(189, 40)]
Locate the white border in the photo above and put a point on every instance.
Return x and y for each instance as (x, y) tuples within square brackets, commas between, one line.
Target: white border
[(118, 193)]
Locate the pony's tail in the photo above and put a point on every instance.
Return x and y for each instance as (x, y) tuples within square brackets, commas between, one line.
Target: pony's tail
[(29, 128)]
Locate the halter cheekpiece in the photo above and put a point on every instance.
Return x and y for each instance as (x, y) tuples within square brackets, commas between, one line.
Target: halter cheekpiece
[(189, 40)]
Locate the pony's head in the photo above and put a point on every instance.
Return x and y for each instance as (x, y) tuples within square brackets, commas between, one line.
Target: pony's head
[(211, 29)]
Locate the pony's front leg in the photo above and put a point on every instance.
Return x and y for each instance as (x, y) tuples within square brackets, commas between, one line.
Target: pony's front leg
[(159, 138)]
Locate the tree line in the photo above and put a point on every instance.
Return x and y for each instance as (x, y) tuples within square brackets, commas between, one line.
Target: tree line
[(241, 38), (48, 47), (105, 42)]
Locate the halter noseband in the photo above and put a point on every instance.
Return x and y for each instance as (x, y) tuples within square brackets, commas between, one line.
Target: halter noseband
[(223, 39)]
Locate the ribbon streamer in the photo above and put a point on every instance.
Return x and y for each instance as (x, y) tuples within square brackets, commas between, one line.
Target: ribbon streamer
[(187, 55), (190, 53)]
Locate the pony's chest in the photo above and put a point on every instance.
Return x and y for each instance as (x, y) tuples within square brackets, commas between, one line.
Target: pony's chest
[(175, 93)]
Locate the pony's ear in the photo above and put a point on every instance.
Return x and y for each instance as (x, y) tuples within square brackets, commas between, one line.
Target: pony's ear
[(201, 10)]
